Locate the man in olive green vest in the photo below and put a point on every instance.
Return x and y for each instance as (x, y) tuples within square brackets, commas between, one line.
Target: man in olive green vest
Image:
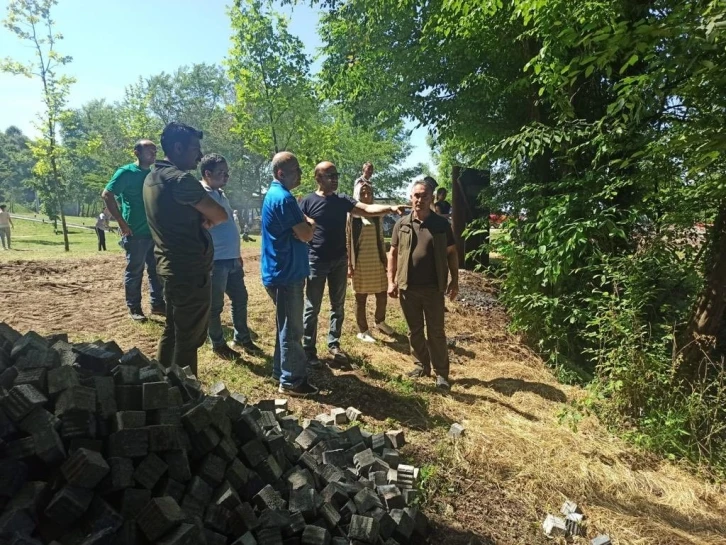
[(423, 254)]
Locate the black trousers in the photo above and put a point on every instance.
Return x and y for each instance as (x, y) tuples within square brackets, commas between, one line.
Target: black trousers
[(101, 234), (423, 307), (187, 319)]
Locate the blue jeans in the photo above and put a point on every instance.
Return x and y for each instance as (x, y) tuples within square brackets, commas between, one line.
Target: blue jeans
[(289, 362), (336, 274), (140, 253), (228, 277)]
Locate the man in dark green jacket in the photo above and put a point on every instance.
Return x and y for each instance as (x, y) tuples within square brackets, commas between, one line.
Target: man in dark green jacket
[(422, 256), (179, 212)]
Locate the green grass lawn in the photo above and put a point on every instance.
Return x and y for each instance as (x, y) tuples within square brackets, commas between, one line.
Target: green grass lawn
[(33, 240)]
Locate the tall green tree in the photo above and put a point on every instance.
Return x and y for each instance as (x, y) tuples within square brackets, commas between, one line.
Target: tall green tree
[(270, 71), (16, 166), (31, 22), (600, 124)]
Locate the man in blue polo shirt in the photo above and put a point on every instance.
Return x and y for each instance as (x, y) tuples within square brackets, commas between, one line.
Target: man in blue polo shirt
[(284, 266), (227, 272)]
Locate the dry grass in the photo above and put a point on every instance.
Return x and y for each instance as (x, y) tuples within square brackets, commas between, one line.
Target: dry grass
[(517, 461)]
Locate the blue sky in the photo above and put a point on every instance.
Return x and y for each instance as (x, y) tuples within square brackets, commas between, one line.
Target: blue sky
[(114, 42)]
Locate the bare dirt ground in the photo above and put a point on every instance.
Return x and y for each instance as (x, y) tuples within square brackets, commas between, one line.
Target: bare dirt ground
[(517, 461)]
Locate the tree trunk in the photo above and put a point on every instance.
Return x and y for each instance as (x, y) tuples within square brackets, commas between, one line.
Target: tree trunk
[(708, 313)]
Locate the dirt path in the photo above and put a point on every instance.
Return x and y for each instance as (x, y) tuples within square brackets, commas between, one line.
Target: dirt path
[(517, 461)]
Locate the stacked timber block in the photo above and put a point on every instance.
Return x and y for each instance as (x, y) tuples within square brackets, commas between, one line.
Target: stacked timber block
[(102, 447)]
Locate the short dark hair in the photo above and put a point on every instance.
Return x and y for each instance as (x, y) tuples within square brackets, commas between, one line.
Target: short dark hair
[(180, 133), (210, 161), (3, 206), (432, 183), (440, 191)]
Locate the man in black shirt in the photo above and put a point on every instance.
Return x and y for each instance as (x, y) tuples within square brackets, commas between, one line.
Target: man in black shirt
[(179, 211), (328, 257), (443, 208)]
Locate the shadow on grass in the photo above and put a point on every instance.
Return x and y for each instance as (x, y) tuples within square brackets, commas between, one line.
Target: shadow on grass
[(41, 242), (510, 386), (442, 533), (660, 514), (399, 401)]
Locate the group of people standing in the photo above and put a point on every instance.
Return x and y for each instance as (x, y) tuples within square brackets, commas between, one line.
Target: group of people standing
[(329, 237), (182, 232)]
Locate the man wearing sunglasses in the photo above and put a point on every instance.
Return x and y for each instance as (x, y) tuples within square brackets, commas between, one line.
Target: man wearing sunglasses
[(328, 258)]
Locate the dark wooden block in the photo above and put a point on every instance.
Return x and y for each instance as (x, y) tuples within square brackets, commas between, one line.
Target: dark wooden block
[(163, 438), (20, 448), (85, 468), (21, 400), (200, 490), (133, 501), (125, 375), (212, 469), (213, 538), (269, 498), (178, 465), (404, 525), (62, 378), (237, 474), (204, 442), (78, 424), (216, 517), (155, 395), (314, 535), (16, 521), (36, 377), (102, 516), (171, 416), (105, 396), (159, 516), (128, 397), (364, 529), (170, 487), (226, 449), (135, 358), (68, 505), (196, 419), (126, 420), (128, 444), (149, 471), (120, 475), (83, 442)]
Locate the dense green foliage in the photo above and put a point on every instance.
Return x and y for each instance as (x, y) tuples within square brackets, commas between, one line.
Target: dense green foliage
[(264, 99), (600, 122)]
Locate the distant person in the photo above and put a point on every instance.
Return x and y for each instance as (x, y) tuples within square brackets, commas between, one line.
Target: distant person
[(284, 267), (328, 258), (101, 228), (442, 206), (367, 265), (422, 256), (179, 211), (235, 216), (366, 177), (6, 223), (127, 186), (228, 274)]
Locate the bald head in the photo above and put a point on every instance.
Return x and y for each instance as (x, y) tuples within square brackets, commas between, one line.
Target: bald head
[(145, 151), (286, 169), (326, 175)]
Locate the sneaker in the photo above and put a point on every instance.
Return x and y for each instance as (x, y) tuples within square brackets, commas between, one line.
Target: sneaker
[(137, 315), (314, 361), (339, 356), (249, 347), (419, 372), (365, 337), (303, 390), (159, 310), (385, 328), (442, 383), (225, 352)]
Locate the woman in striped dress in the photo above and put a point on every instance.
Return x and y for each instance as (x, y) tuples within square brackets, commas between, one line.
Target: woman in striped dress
[(367, 265)]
